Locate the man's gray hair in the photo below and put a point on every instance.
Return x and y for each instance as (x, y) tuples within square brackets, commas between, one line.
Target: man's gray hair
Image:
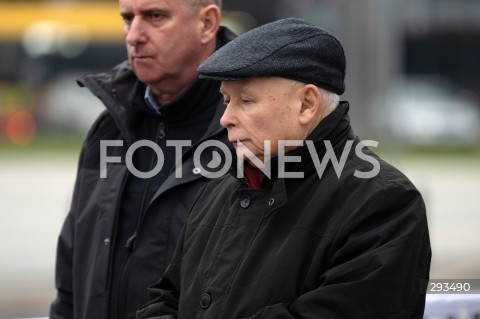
[(199, 3), (330, 100)]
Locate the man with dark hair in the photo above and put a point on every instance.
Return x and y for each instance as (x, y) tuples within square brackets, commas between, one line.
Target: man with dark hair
[(289, 234), (125, 216)]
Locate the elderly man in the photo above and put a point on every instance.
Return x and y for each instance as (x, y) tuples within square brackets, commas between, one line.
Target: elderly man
[(300, 239)]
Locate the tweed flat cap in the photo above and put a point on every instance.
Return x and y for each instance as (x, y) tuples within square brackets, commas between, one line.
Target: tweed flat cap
[(290, 48)]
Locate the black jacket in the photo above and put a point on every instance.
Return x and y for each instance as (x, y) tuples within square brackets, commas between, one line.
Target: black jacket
[(121, 231), (315, 247)]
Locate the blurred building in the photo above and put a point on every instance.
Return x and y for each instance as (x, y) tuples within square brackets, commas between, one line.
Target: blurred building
[(44, 45)]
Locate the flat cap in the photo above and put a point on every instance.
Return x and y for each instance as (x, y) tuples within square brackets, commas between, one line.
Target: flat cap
[(291, 48)]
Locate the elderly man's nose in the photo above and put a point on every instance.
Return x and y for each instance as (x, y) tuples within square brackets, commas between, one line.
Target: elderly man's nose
[(227, 118)]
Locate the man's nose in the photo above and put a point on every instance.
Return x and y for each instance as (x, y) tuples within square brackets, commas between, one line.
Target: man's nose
[(227, 119), (135, 33)]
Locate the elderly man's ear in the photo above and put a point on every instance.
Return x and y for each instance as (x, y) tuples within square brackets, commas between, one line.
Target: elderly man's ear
[(311, 112)]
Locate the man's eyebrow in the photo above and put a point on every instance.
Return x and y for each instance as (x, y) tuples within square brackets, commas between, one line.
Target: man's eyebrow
[(162, 11), (221, 89), (126, 13), (243, 90), (129, 13)]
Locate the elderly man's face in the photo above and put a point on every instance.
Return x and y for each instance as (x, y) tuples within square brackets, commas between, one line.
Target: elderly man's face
[(262, 109)]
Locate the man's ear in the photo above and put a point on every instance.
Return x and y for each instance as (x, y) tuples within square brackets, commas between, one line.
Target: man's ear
[(311, 104), (210, 17)]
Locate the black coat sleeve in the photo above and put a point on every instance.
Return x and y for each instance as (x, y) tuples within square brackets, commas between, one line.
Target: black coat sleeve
[(164, 295), (380, 261), (63, 305)]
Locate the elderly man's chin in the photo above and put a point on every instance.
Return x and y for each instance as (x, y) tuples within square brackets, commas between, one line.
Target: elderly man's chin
[(242, 149), (254, 157)]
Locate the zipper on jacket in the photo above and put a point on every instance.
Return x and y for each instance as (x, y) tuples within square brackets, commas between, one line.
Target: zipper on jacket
[(131, 240), (129, 245), (112, 241)]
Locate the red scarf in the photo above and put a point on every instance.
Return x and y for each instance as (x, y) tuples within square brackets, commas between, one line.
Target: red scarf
[(253, 176)]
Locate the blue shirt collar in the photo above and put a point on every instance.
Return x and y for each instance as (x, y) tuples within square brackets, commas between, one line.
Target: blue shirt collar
[(152, 101)]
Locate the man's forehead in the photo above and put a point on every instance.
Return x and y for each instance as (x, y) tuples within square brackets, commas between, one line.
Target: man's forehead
[(237, 85), (160, 4), (253, 84)]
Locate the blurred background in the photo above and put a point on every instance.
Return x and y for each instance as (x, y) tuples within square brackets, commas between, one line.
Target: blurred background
[(413, 81)]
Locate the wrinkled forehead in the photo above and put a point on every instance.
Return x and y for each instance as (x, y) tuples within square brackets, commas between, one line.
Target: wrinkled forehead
[(153, 4), (257, 84)]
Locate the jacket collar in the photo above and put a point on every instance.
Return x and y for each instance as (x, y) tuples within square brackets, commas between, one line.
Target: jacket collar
[(184, 109)]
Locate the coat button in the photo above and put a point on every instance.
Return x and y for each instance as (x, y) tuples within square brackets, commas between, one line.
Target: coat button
[(245, 201), (271, 201), (205, 300)]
